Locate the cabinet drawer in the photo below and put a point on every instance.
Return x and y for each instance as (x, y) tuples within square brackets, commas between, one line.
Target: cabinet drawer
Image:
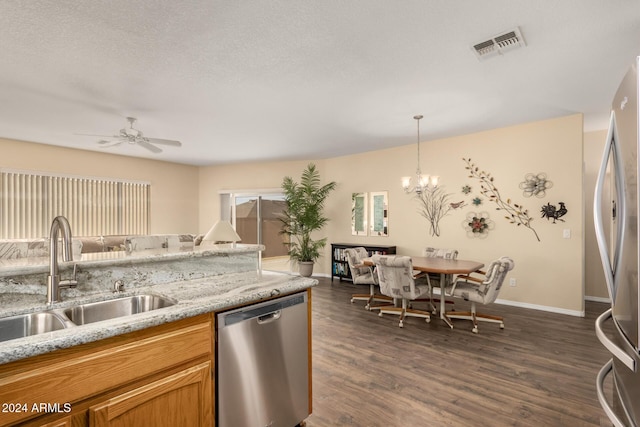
[(76, 374)]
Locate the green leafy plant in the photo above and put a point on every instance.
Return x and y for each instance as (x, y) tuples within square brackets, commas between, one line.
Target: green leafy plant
[(304, 214)]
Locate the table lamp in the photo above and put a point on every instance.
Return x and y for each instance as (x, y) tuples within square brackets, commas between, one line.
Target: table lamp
[(222, 232)]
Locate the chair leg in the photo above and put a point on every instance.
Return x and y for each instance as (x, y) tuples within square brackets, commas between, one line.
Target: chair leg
[(405, 312), (371, 297), (377, 298), (360, 297), (475, 317)]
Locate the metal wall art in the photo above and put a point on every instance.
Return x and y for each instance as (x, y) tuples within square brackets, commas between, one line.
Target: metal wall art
[(478, 224), (535, 185), (549, 211), (516, 214), (435, 205)]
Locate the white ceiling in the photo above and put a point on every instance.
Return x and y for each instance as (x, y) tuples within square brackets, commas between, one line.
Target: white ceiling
[(249, 80)]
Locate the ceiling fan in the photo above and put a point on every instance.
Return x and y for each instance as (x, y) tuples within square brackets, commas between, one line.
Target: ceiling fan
[(135, 136)]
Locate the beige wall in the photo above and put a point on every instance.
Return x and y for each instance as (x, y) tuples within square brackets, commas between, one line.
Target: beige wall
[(174, 187), (549, 273)]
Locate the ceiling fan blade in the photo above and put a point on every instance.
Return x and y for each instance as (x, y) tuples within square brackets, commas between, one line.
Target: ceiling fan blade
[(101, 136), (164, 142), (148, 146), (107, 144)]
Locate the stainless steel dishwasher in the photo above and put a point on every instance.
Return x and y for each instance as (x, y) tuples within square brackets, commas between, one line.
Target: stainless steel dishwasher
[(263, 364)]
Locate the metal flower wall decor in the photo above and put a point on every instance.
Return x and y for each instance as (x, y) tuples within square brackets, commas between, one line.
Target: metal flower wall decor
[(516, 214), (478, 224), (535, 185)]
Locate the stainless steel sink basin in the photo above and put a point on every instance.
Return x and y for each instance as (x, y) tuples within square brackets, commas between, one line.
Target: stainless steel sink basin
[(111, 309), (30, 324)]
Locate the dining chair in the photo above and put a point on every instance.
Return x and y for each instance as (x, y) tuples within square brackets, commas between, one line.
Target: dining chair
[(482, 290), (431, 252), (397, 280), (364, 275)]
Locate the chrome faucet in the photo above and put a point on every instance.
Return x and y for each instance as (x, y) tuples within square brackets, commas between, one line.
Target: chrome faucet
[(54, 283)]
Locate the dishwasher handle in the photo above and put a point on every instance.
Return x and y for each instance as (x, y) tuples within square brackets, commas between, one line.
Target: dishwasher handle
[(268, 318), (264, 312)]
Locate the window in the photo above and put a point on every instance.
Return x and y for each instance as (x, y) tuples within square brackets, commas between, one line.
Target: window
[(94, 206)]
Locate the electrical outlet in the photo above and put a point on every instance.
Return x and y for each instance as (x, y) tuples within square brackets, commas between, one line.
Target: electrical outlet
[(566, 233), (512, 281)]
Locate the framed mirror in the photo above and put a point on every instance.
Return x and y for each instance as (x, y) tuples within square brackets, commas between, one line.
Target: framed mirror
[(359, 214), (379, 213)]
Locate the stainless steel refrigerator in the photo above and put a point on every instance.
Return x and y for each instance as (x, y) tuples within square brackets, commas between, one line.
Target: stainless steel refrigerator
[(616, 222)]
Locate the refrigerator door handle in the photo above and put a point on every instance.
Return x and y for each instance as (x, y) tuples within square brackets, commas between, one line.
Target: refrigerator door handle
[(609, 149), (606, 370), (618, 352)]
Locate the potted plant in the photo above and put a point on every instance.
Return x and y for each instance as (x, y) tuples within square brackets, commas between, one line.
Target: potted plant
[(303, 215)]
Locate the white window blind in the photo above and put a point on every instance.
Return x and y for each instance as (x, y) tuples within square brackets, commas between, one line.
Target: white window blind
[(94, 206)]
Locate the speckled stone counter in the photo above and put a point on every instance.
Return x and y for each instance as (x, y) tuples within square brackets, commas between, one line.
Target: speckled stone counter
[(199, 282)]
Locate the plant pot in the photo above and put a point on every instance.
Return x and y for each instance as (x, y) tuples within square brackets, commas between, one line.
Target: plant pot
[(305, 268)]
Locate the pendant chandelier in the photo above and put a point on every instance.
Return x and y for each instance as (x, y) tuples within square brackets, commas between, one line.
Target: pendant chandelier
[(423, 182)]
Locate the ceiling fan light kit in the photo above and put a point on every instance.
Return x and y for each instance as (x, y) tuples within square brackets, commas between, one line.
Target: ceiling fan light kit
[(135, 136)]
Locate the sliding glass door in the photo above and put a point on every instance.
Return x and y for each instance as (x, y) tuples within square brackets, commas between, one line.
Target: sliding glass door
[(256, 218)]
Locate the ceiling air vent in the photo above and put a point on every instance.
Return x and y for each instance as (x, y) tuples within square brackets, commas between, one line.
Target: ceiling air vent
[(499, 44)]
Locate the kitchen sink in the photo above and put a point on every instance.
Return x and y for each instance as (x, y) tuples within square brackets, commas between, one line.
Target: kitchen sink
[(111, 309), (30, 324), (25, 325)]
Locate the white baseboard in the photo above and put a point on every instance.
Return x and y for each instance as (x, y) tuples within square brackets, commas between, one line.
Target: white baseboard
[(597, 299), (576, 313)]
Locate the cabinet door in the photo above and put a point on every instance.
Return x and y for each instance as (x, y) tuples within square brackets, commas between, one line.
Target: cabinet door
[(64, 422), (182, 399)]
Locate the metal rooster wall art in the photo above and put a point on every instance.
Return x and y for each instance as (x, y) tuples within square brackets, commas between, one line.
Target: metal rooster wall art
[(549, 211)]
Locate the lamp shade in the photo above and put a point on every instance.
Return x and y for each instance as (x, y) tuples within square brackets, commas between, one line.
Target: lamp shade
[(222, 231)]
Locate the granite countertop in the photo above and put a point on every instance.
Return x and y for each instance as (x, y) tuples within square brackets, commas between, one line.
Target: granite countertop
[(193, 297), (13, 267)]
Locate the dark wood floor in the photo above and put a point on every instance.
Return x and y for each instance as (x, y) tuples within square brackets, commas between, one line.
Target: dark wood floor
[(539, 371)]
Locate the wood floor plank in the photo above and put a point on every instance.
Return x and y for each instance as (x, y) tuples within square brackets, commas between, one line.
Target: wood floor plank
[(539, 371)]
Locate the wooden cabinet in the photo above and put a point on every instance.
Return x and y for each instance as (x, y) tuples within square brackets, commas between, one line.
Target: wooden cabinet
[(339, 265), (160, 376), (182, 399), (65, 422), (118, 381)]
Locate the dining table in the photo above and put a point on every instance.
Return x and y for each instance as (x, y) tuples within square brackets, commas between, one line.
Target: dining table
[(446, 268)]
